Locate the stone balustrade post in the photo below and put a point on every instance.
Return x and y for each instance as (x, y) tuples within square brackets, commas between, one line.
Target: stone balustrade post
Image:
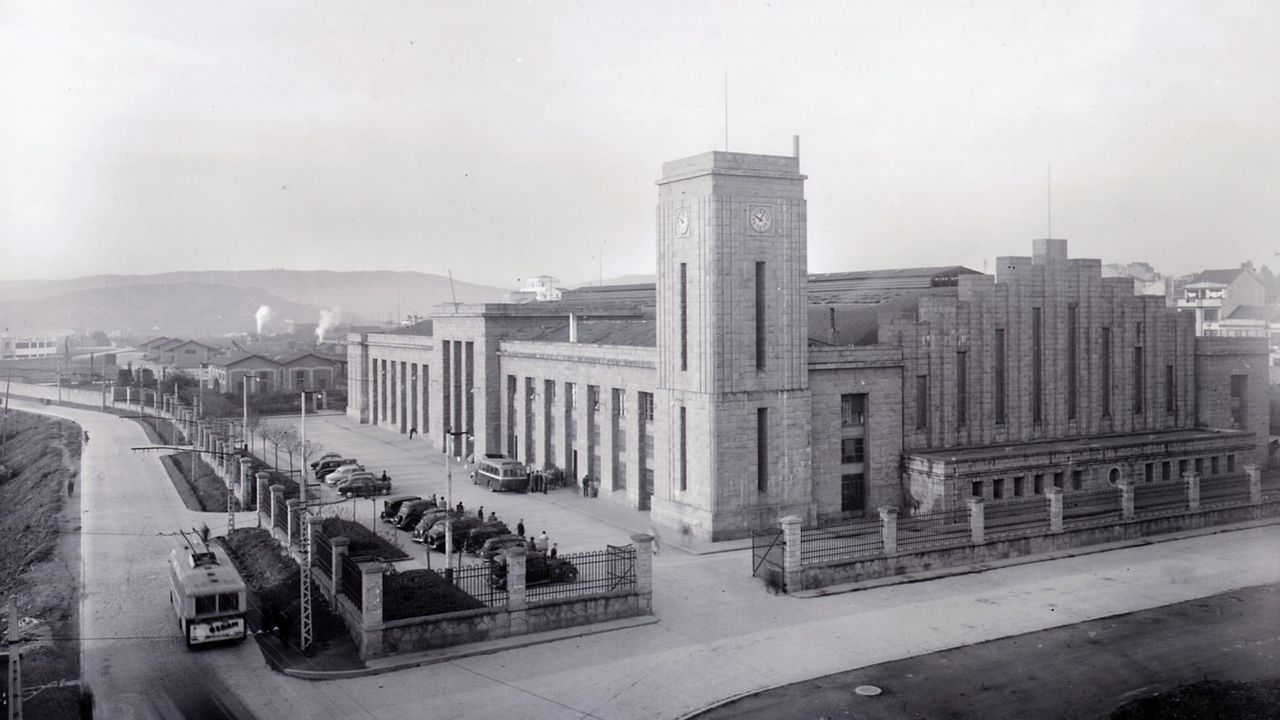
[(1253, 473), (371, 609), (1126, 498), (1192, 479), (889, 529), (792, 560), (977, 521), (264, 492), (516, 563), (1055, 508), (246, 482), (644, 571), (277, 505), (293, 530), (341, 546)]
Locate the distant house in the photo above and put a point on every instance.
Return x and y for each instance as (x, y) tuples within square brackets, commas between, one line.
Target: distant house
[(308, 371), (185, 354), (1213, 295), (228, 374), (151, 348)]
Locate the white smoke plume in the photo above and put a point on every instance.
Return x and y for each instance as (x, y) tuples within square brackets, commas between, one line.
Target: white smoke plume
[(262, 316), (328, 318)]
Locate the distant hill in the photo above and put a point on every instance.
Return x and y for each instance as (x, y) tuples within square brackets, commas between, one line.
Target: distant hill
[(124, 302)]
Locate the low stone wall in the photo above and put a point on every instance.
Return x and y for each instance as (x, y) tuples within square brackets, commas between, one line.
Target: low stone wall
[(844, 571)]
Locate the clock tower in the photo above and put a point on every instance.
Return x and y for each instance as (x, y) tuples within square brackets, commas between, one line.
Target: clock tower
[(732, 443)]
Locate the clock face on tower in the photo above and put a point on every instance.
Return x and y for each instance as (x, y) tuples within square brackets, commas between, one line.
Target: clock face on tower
[(682, 222), (761, 219)]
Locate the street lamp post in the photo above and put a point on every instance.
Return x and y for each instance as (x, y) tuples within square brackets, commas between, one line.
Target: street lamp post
[(448, 490)]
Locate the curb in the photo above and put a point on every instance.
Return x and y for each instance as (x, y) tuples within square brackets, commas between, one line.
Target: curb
[(1028, 559), (433, 657)]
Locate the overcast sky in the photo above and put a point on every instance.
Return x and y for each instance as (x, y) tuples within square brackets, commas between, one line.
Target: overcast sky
[(503, 140)]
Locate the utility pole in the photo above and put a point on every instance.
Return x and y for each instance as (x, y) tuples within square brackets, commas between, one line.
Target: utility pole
[(4, 419), (304, 577), (15, 664), (448, 498)]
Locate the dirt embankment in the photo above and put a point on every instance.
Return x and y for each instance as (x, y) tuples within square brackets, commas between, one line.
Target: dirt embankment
[(40, 563)]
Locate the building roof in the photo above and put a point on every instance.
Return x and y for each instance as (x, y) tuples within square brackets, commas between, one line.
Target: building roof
[(238, 358), (188, 342), (1224, 277), (291, 358), (842, 324), (634, 332), (155, 341), (423, 327), (1269, 313)]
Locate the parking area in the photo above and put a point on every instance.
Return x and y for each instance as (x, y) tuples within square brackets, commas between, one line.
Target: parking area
[(573, 523)]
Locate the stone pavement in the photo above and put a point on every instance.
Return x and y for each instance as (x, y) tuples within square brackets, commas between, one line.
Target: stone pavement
[(721, 635)]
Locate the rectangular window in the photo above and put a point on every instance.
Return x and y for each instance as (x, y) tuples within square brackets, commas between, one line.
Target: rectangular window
[(962, 387), (1057, 480), (1105, 375), (762, 449), (1077, 479), (922, 402), (1170, 391), (1200, 466), (853, 493), (852, 450), (684, 316), (1019, 483), (1037, 367), (760, 295), (1213, 465), (206, 604), (1231, 463), (1239, 410), (646, 407), (1038, 485), (997, 488), (1001, 408), (1182, 468), (853, 410), (1073, 317), (1149, 472), (321, 383), (976, 489), (1139, 381), (1166, 470), (684, 451)]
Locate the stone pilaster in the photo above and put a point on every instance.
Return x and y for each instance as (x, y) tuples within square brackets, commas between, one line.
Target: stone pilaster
[(340, 547), (263, 495), (1055, 508), (246, 482), (277, 505), (889, 529), (791, 563), (1253, 473), (293, 530), (1192, 479), (644, 571), (1126, 498), (371, 609), (516, 598), (977, 521)]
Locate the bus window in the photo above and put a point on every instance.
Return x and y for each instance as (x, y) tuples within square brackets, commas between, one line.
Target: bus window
[(206, 604), (229, 602)]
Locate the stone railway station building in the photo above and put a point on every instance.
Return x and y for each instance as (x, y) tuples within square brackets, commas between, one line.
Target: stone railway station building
[(740, 388)]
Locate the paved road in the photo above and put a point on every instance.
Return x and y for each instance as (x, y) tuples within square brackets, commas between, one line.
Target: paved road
[(1085, 670), (720, 634)]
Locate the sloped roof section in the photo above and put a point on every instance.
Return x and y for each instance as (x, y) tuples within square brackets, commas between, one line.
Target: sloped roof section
[(633, 333), (1225, 277), (1269, 313)]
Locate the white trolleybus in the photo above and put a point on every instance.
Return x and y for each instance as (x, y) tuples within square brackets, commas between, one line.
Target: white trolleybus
[(207, 594)]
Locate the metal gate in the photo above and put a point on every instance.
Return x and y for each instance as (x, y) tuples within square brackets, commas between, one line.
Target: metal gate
[(622, 566), (766, 548)]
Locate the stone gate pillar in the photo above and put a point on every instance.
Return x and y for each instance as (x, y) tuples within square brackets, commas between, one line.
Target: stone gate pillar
[(644, 571), (792, 564), (1192, 479), (1253, 473), (1126, 498), (977, 521), (1055, 508)]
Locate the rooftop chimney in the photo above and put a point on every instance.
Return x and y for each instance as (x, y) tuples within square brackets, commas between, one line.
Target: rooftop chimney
[(573, 328), (795, 146)]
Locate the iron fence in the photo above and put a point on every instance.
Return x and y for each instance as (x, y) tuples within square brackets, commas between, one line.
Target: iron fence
[(930, 531), (282, 520), (767, 546), (1224, 490), (352, 584), (578, 574), (423, 593), (1091, 507), (322, 553), (842, 541), (1158, 498), (1029, 516)]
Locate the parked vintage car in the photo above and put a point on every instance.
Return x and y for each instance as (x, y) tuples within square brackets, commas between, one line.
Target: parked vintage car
[(364, 485), (430, 518), (315, 464), (495, 545), (410, 513), (478, 536), (538, 569), (324, 467), (461, 526), (391, 505), (336, 477)]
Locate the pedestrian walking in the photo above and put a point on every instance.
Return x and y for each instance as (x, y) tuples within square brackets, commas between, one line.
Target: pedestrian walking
[(653, 531), (543, 541), (413, 431), (86, 437), (493, 516), (520, 527), (459, 506), (480, 513), (384, 476), (554, 549)]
